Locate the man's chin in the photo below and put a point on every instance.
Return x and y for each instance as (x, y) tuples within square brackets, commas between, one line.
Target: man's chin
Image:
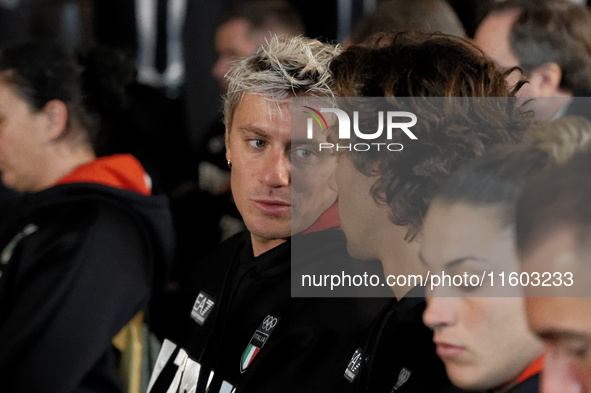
[(358, 252), (268, 232)]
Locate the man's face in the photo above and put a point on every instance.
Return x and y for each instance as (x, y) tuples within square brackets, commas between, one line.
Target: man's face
[(483, 340), (264, 159), (564, 323), (232, 42), (492, 36), (359, 212)]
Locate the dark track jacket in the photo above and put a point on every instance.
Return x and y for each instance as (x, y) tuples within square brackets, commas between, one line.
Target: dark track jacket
[(398, 353), (77, 262), (244, 332)]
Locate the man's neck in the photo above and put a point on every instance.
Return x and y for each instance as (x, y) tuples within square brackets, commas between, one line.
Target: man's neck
[(401, 258)]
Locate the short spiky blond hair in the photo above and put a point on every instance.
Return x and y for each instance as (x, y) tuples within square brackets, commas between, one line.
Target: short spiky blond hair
[(281, 69)]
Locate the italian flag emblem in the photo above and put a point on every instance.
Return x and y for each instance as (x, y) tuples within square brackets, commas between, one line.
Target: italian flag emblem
[(258, 340), (248, 356)]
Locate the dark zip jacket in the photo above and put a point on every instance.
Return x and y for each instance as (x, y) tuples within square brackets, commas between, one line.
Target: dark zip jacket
[(77, 262), (244, 331)]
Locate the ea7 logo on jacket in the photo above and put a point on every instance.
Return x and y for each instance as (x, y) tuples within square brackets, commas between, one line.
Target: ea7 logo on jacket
[(354, 365), (258, 340), (202, 308)]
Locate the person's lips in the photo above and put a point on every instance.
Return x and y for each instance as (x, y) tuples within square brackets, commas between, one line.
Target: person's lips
[(448, 351), (272, 207)]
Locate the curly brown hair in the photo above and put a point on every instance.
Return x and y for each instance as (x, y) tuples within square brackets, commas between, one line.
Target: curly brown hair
[(451, 130)]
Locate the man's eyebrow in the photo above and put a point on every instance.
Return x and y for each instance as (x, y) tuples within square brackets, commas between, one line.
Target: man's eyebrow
[(255, 130), (303, 142), (454, 262), (459, 261), (555, 334)]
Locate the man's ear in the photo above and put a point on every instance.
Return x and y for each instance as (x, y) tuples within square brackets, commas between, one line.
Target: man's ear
[(546, 79), (56, 114)]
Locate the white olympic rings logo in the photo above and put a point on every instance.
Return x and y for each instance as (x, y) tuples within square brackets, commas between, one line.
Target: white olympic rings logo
[(269, 323)]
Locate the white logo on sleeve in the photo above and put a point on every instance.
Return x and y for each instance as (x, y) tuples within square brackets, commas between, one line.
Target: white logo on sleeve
[(186, 377)]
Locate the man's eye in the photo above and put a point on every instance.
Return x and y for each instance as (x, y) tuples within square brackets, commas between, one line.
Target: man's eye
[(256, 143), (303, 153)]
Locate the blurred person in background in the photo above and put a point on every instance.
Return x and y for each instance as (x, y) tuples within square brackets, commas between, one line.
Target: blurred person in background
[(550, 40), (245, 26), (81, 250), (423, 16), (553, 235)]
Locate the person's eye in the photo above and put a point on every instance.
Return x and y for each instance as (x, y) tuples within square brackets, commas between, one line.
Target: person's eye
[(576, 347), (257, 143), (303, 154)]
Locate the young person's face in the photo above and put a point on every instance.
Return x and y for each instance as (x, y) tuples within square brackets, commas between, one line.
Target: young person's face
[(563, 323), (483, 341), (279, 179), (22, 141)]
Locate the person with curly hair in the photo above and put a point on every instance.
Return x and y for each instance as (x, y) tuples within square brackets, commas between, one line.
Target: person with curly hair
[(463, 107)]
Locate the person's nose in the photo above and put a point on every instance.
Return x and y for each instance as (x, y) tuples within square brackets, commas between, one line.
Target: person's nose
[(439, 313), (558, 375), (277, 170)]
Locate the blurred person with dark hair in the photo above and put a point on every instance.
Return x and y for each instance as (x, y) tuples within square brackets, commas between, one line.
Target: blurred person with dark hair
[(383, 196), (550, 40), (248, 24), (81, 250), (423, 16), (554, 235)]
